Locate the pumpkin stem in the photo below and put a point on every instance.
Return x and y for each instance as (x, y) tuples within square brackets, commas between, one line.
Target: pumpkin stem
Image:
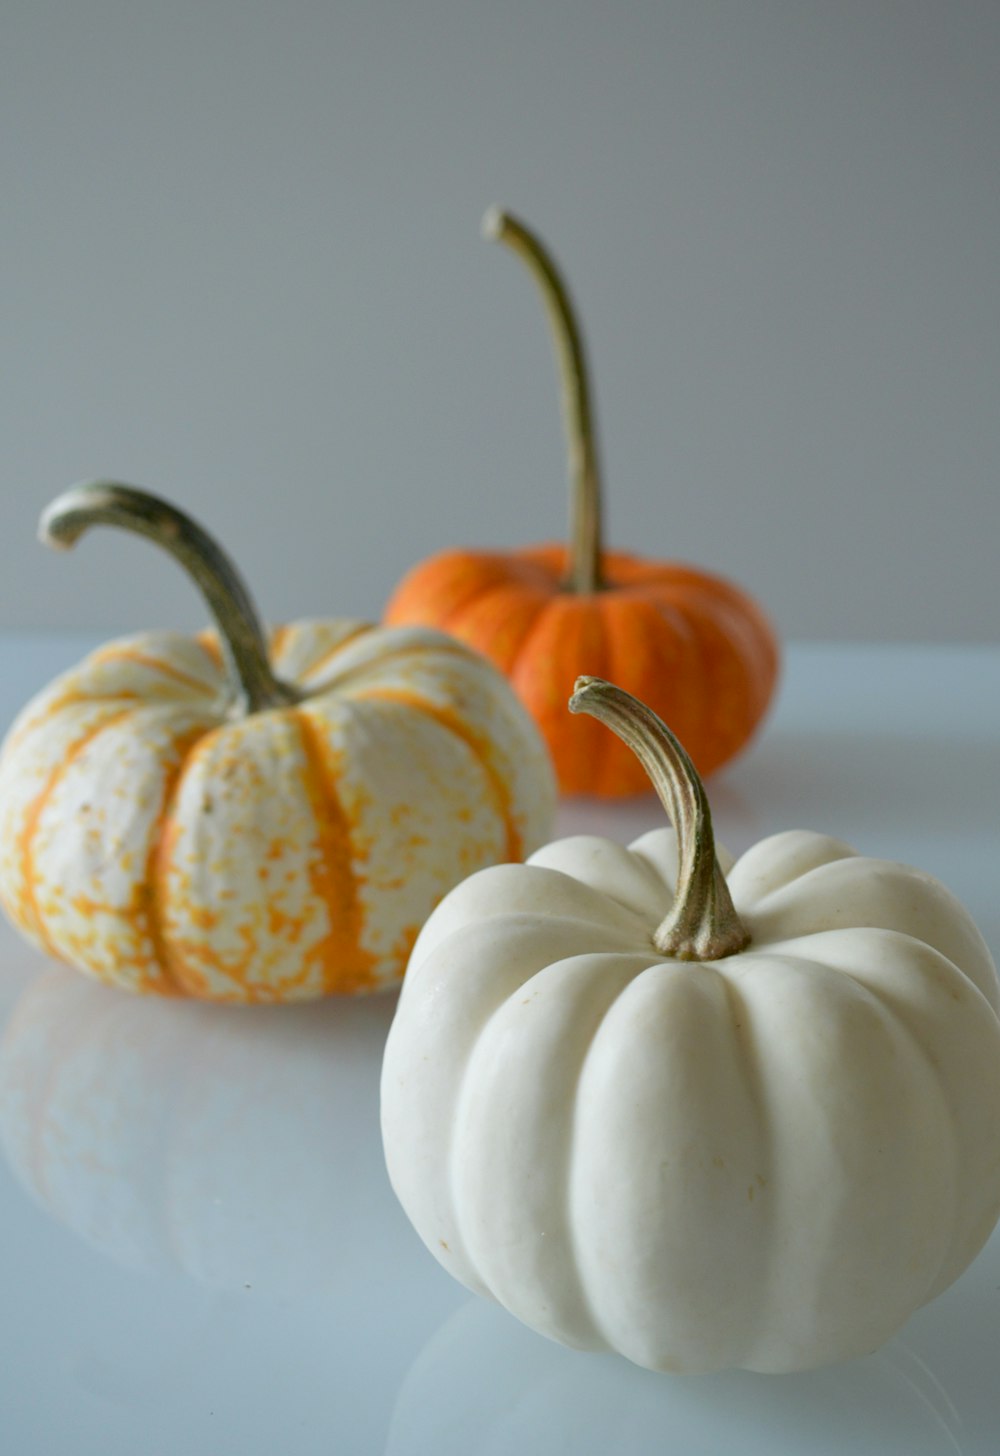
[(106, 503), (702, 924), (584, 574)]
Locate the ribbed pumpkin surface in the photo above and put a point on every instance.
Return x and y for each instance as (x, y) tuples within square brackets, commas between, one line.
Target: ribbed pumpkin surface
[(155, 843), (695, 648)]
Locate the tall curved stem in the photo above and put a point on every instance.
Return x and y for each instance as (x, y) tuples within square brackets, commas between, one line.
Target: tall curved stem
[(702, 924), (107, 503), (584, 573)]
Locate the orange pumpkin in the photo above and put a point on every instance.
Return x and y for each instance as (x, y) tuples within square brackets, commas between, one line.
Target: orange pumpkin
[(693, 646)]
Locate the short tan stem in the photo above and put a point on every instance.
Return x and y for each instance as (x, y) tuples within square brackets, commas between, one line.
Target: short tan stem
[(107, 503), (584, 573), (702, 924)]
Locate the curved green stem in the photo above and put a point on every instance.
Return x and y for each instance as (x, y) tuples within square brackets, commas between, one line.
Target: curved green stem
[(106, 503), (702, 924), (584, 573)]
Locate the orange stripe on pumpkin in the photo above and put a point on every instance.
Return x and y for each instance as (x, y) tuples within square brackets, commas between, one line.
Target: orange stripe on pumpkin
[(331, 653), (346, 965), (392, 652), (479, 745), (141, 913), (209, 644), (500, 621), (161, 839), (278, 639), (187, 962), (154, 664), (71, 698), (28, 910), (568, 638)]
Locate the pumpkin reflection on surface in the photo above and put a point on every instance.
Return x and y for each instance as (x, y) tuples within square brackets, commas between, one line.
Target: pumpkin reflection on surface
[(236, 1146), (483, 1385)]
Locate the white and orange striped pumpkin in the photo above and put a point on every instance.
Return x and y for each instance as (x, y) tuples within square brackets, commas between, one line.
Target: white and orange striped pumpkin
[(241, 818)]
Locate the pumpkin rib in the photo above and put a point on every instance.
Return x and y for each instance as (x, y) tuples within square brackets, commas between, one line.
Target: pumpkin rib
[(445, 646), (434, 591), (749, 647), (31, 915), (579, 989), (72, 698), (724, 680), (157, 864), (650, 1004), (742, 630), (305, 647), (478, 746), (176, 970), (499, 621), (460, 1079), (500, 998), (568, 639), (695, 693), (648, 653), (153, 664), (896, 1014), (746, 1042), (572, 1232), (315, 669), (523, 653), (239, 965), (899, 1035), (142, 912)]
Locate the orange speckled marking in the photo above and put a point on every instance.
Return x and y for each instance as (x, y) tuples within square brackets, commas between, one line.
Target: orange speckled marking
[(28, 909), (142, 911), (513, 849), (168, 984), (281, 923), (178, 955), (346, 966)]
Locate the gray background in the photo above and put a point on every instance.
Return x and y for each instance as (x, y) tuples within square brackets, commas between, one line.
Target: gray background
[(241, 266)]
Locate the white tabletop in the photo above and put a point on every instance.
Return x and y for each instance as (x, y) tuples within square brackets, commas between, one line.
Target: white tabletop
[(201, 1252)]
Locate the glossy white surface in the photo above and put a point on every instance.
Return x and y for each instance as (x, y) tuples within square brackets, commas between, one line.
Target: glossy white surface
[(202, 1254)]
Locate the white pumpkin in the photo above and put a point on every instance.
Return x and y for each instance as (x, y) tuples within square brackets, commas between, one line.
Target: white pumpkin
[(759, 1134), (251, 816)]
